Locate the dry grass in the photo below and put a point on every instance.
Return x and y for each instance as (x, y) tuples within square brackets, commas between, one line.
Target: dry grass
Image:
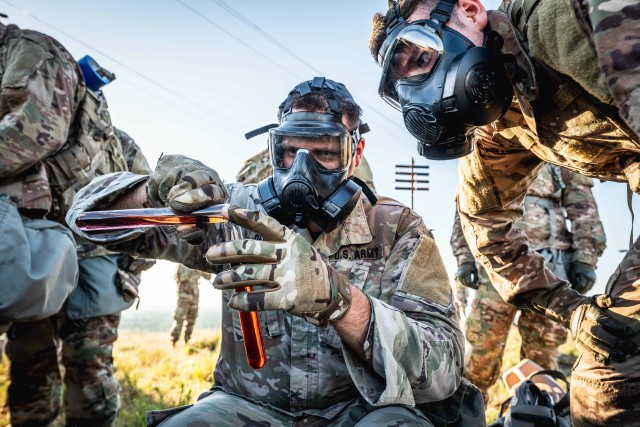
[(154, 375)]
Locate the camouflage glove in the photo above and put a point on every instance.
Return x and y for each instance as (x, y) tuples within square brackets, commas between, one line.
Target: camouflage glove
[(467, 274), (297, 279), (595, 331), (581, 276), (185, 185)]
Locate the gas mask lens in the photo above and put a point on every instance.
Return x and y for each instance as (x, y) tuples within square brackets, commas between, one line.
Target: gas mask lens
[(412, 56), (331, 152)]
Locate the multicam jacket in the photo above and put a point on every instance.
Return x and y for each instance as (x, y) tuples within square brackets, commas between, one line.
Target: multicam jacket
[(544, 222), (554, 120), (414, 345), (41, 89)]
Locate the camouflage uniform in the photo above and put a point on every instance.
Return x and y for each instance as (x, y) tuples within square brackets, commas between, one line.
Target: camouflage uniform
[(544, 222), (75, 347), (414, 344), (562, 121), (258, 167), (187, 305), (52, 145)]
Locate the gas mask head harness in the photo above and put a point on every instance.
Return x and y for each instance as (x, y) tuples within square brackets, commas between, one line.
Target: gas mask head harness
[(311, 153), (444, 85)]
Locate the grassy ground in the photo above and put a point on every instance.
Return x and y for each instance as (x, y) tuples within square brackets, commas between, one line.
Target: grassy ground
[(154, 375)]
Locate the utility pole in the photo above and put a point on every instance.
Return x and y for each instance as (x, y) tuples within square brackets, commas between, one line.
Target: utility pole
[(413, 172)]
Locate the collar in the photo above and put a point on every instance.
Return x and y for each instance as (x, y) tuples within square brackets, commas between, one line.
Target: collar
[(354, 230)]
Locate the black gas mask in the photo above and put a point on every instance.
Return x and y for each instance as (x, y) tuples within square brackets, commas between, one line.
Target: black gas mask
[(443, 84), (311, 153)]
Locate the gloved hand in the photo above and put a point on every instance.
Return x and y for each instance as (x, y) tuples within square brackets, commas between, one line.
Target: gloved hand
[(581, 276), (299, 281), (185, 185), (467, 274), (595, 331)]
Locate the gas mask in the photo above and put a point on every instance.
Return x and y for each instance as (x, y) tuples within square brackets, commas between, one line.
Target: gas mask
[(311, 153), (443, 84)]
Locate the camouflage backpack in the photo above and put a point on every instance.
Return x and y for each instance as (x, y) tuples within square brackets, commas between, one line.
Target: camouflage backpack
[(92, 149)]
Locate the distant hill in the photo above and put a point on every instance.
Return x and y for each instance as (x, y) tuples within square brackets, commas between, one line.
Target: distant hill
[(160, 319)]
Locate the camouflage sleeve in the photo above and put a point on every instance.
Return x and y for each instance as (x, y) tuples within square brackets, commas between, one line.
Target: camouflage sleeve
[(38, 99), (154, 243), (490, 196), (588, 239), (136, 161), (459, 244), (616, 28), (415, 344), (256, 168)]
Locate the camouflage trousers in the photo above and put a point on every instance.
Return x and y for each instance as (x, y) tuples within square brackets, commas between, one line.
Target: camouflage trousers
[(487, 329), (220, 409), (610, 395), (185, 313), (47, 353)]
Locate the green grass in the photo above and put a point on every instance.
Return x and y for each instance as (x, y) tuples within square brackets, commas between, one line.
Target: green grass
[(154, 375)]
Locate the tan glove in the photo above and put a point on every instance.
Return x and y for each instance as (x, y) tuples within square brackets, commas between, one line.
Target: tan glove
[(185, 185), (294, 274)]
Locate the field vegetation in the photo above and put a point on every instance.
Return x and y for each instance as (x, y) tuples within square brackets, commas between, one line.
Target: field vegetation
[(154, 375)]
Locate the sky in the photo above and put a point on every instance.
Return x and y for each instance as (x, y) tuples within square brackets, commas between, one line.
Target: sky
[(194, 75)]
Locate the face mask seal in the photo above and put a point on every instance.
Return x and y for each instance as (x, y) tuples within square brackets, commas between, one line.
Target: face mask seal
[(311, 153), (443, 84)]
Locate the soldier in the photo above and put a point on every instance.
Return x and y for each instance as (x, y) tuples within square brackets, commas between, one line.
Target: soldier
[(258, 167), (358, 325), (570, 256), (81, 335), (187, 305), (452, 68), (56, 136)]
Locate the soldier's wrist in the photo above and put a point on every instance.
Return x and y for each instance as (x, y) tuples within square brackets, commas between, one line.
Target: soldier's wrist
[(340, 300), (565, 302)]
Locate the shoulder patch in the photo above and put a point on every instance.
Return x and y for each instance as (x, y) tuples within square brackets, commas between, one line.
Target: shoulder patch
[(425, 274)]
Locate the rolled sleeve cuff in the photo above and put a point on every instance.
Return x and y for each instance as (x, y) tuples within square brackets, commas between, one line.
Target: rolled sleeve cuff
[(389, 386), (99, 193)]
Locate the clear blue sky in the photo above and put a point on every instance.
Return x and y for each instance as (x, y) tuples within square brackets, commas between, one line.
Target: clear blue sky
[(193, 76)]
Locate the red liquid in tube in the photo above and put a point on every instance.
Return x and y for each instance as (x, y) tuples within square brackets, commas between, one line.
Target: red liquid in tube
[(158, 217), (252, 334)]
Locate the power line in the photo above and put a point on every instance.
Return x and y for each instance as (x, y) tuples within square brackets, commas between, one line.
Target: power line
[(282, 46), (231, 123), (256, 51)]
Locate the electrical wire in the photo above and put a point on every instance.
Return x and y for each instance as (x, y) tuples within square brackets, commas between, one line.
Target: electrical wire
[(227, 121)]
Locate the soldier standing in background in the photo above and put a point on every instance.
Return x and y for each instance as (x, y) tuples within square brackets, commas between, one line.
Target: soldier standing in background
[(570, 255), (187, 305)]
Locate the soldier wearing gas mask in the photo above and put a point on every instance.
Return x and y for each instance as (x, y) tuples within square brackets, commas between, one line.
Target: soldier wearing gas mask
[(451, 67), (351, 290)]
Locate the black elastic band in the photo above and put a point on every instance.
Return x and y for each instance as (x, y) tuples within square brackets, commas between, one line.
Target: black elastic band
[(442, 11), (373, 199), (260, 130)]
